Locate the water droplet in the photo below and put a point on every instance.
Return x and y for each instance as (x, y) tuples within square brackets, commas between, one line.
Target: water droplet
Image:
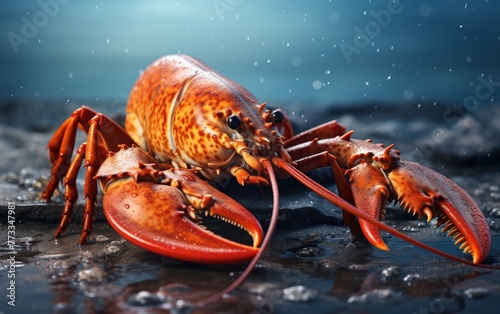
[(408, 94), (317, 84), (334, 18)]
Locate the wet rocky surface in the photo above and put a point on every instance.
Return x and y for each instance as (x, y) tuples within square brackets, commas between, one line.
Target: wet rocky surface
[(312, 264)]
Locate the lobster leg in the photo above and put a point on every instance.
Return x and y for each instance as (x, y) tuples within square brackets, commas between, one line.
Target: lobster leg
[(370, 191), (326, 130), (325, 159), (102, 135), (61, 145), (71, 193), (377, 175)]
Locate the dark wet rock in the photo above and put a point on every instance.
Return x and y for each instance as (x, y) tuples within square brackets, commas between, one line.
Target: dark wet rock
[(308, 252), (449, 303), (311, 251), (313, 238)]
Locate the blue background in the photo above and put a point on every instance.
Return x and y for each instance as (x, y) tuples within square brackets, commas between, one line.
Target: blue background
[(283, 51)]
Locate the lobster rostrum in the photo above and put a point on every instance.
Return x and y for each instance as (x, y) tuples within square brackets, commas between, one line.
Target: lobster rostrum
[(184, 120)]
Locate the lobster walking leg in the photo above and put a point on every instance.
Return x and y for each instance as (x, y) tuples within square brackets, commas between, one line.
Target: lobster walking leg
[(103, 135), (326, 130), (326, 159), (71, 193)]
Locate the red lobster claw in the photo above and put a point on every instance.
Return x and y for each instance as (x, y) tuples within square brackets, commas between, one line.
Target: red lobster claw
[(161, 210), (421, 191)]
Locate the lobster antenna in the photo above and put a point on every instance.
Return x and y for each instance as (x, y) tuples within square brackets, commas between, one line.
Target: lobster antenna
[(265, 242)]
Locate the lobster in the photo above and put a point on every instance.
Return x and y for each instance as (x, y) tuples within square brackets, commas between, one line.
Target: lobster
[(187, 125)]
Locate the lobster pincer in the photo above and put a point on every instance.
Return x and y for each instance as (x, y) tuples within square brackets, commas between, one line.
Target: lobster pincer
[(162, 210), (377, 175)]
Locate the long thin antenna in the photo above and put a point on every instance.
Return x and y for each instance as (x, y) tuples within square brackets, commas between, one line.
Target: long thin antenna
[(265, 242)]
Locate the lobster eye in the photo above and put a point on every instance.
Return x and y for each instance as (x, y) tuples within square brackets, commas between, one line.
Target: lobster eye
[(278, 116), (234, 122)]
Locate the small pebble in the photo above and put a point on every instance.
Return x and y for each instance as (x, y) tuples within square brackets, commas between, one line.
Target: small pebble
[(308, 252), (410, 278), (495, 212), (21, 198), (358, 267), (379, 296), (59, 264), (313, 238), (299, 294), (86, 257), (261, 288), (183, 306), (101, 238), (145, 298), (118, 242), (476, 293), (25, 241), (112, 249), (391, 271), (91, 275)]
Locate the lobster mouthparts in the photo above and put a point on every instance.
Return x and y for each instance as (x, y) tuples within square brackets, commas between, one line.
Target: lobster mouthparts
[(161, 211)]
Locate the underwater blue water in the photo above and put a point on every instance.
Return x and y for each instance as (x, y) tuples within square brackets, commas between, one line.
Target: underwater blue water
[(319, 52)]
